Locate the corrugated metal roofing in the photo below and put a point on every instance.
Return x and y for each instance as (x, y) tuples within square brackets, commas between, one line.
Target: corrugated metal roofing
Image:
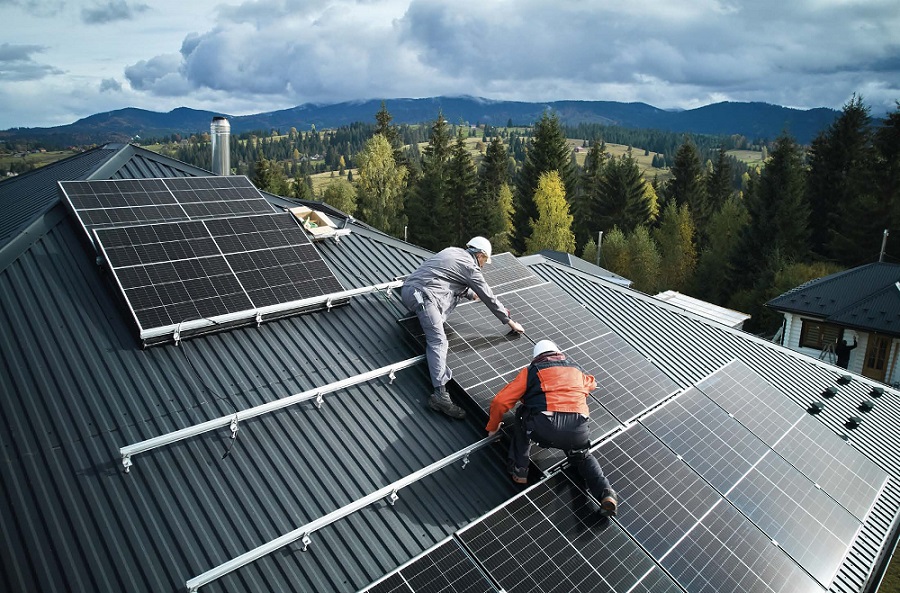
[(865, 298), (689, 348)]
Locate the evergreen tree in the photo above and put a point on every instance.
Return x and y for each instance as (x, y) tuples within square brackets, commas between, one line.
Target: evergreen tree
[(384, 127), (686, 185), (380, 183), (548, 151), (678, 255), (301, 188), (493, 177), (778, 229), (711, 281), (718, 190), (464, 215), (887, 177), (614, 253), (589, 253), (644, 261), (622, 200), (838, 183), (552, 229), (587, 194), (427, 203)]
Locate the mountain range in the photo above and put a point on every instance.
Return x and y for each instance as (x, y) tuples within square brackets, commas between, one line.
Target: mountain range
[(755, 121)]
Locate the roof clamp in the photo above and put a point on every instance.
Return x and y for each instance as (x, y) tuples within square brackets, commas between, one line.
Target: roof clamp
[(126, 463), (328, 304), (259, 318), (320, 398), (177, 335), (392, 498), (465, 461), (305, 541), (392, 375), (234, 427)]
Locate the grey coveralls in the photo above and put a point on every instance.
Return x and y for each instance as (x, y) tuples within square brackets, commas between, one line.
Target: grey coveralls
[(441, 281)]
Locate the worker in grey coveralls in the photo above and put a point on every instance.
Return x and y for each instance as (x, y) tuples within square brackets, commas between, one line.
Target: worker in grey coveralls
[(433, 291)]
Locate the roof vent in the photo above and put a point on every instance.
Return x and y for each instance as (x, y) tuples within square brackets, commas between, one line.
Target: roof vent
[(853, 422), (867, 406), (816, 407), (844, 380), (830, 391), (877, 391)]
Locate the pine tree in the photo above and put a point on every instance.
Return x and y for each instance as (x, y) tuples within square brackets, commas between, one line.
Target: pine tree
[(380, 183), (493, 177), (427, 203), (718, 190), (686, 185), (548, 151), (614, 253), (587, 194), (887, 176), (678, 255), (622, 200), (464, 213), (779, 217), (340, 194), (840, 175), (725, 227), (552, 229), (502, 240), (644, 261)]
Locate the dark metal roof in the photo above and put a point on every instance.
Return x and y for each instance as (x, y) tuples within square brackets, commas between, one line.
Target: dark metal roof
[(865, 298)]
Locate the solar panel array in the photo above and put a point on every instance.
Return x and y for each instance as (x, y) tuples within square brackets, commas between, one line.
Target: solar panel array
[(725, 486), (200, 253), (124, 202)]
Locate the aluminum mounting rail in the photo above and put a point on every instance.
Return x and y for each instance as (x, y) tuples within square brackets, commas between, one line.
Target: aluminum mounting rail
[(232, 420), (303, 533)]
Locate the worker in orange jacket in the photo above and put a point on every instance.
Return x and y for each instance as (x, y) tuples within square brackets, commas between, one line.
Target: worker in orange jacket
[(554, 414)]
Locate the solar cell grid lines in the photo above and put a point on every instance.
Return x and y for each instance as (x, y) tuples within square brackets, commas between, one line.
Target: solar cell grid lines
[(444, 569), (837, 468), (505, 274), (811, 527), (123, 202), (550, 538), (231, 268), (701, 539)]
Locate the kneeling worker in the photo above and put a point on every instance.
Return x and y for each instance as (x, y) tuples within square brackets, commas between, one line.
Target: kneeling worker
[(554, 414)]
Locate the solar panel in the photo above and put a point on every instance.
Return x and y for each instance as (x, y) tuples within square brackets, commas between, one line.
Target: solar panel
[(829, 462), (704, 542), (226, 270), (444, 569), (811, 527), (124, 202), (551, 538), (505, 274)]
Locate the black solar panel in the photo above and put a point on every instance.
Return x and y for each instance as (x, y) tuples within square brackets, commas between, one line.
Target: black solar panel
[(551, 538), (829, 462), (444, 569), (172, 273), (811, 527), (124, 202), (505, 274), (701, 539)]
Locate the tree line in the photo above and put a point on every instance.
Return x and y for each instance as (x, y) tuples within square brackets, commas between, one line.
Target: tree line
[(714, 229)]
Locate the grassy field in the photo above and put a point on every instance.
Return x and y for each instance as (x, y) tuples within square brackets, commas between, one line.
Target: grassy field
[(38, 159)]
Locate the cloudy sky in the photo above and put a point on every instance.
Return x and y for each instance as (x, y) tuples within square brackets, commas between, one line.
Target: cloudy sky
[(61, 60)]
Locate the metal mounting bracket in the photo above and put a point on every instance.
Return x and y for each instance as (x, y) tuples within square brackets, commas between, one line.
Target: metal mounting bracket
[(320, 399), (126, 463), (393, 497), (465, 461), (259, 319), (305, 541), (234, 427), (391, 376)]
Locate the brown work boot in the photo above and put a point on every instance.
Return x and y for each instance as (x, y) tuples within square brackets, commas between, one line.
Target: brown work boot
[(441, 402), (608, 502)]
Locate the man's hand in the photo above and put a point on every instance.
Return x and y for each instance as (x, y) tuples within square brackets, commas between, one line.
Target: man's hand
[(516, 326), (492, 432)]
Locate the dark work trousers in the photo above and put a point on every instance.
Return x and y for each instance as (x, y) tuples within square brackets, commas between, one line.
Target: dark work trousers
[(563, 430)]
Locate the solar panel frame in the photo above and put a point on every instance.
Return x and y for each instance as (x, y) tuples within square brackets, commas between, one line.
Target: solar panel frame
[(193, 274)]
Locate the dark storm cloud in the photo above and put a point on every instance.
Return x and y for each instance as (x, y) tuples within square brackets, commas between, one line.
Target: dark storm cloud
[(108, 85), (17, 64), (112, 11)]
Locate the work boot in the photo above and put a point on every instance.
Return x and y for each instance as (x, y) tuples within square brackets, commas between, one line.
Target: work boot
[(608, 501), (441, 402)]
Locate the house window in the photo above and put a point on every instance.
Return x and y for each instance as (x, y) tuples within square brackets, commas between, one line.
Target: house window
[(814, 334)]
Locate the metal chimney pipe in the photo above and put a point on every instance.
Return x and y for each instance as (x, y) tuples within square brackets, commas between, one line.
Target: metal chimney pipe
[(220, 134)]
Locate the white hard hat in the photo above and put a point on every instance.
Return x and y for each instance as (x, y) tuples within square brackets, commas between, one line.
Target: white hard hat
[(544, 346), (480, 244)]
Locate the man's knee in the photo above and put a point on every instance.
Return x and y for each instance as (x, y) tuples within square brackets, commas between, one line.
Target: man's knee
[(577, 456)]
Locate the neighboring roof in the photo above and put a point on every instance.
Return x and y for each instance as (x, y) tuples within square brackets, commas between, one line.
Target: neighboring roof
[(729, 317), (579, 264), (76, 386), (865, 298)]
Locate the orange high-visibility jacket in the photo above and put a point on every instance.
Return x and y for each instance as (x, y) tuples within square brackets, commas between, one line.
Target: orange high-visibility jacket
[(549, 383)]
